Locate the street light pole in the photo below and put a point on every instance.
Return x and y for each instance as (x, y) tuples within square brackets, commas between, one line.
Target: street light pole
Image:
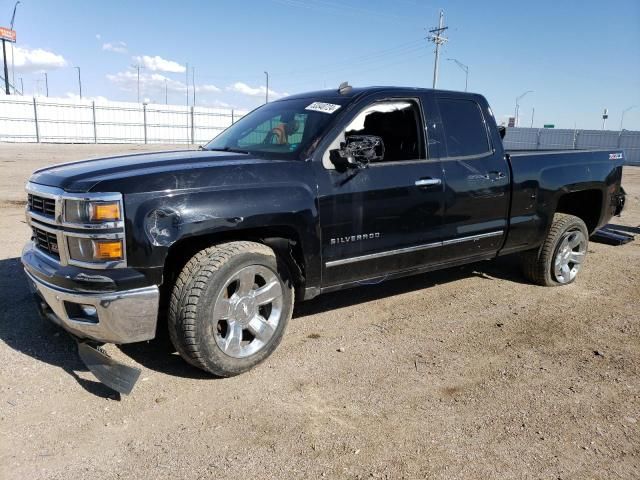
[(79, 82), (266, 92), (46, 83), (518, 105), (623, 112), (465, 68)]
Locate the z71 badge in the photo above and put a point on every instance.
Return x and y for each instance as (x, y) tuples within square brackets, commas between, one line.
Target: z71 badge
[(355, 238), (615, 156)]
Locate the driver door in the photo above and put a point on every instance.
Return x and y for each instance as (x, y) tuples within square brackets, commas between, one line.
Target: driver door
[(386, 217)]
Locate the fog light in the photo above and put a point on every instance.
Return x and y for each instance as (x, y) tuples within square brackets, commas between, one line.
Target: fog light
[(80, 312), (89, 310)]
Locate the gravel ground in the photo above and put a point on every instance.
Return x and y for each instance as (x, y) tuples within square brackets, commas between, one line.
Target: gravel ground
[(465, 373)]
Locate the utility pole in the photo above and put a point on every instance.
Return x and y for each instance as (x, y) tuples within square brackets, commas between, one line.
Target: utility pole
[(6, 69), (266, 92), (193, 81), (465, 68), (518, 105), (79, 81), (435, 36), (623, 112), (46, 83), (166, 96), (21, 87)]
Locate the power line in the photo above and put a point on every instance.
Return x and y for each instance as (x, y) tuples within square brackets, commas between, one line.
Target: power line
[(333, 8), (404, 49)]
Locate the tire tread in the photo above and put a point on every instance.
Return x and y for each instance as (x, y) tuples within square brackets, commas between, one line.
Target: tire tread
[(188, 289), (535, 262)]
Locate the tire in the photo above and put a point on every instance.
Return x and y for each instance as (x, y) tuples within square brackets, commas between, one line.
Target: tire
[(216, 319), (561, 255)]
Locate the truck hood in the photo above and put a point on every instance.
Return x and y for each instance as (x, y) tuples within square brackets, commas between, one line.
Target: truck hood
[(146, 172)]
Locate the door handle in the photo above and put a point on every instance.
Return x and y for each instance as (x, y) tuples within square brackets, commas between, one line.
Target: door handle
[(493, 176), (428, 182)]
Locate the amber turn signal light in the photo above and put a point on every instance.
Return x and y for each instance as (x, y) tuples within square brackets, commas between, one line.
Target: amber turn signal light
[(105, 212), (108, 250)]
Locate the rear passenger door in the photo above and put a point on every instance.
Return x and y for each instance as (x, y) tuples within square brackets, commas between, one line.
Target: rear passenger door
[(476, 178)]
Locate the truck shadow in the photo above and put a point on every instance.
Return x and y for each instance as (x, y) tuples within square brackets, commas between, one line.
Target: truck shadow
[(22, 329)]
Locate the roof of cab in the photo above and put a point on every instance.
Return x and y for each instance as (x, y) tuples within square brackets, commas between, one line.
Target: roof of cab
[(359, 91)]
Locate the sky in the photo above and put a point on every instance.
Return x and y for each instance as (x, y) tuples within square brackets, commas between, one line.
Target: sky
[(576, 57)]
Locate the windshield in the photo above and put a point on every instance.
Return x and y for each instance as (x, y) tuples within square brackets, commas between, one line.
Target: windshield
[(282, 129)]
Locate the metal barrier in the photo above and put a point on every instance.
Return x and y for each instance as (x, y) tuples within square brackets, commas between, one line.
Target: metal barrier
[(37, 119), (552, 139)]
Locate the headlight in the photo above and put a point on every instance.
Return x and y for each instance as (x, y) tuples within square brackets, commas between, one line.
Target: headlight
[(94, 250), (83, 211)]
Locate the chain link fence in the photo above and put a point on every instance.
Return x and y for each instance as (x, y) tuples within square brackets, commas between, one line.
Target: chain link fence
[(555, 139), (37, 119)]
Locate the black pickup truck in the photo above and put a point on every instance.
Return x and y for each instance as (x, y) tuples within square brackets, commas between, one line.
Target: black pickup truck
[(309, 194)]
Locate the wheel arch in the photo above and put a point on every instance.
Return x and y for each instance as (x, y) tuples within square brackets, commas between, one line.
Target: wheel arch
[(284, 240), (585, 204)]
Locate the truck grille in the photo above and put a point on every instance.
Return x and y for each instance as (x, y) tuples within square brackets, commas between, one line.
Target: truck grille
[(45, 241), (42, 205)]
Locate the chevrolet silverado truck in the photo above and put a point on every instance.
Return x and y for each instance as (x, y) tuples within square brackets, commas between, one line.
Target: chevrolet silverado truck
[(310, 194)]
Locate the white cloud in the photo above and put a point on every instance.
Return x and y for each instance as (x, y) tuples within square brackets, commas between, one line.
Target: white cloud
[(116, 47), (217, 104), (154, 82), (35, 60), (128, 80), (207, 88), (243, 88), (75, 96), (159, 64)]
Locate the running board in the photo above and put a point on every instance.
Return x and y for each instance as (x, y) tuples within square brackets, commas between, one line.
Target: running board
[(115, 375)]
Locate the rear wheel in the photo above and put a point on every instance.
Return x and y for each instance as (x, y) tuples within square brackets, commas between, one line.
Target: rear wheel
[(561, 256), (230, 307)]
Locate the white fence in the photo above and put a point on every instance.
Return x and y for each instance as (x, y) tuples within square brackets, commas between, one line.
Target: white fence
[(558, 139), (56, 120)]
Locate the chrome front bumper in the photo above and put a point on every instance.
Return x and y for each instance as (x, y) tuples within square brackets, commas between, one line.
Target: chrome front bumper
[(122, 317)]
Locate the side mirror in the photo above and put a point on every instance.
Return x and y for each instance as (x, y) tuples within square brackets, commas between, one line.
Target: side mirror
[(357, 152)]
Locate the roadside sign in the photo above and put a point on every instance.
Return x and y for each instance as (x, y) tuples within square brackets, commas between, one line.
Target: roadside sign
[(511, 122), (7, 34), (549, 125)]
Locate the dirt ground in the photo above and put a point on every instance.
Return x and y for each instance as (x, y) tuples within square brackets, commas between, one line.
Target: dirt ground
[(465, 373)]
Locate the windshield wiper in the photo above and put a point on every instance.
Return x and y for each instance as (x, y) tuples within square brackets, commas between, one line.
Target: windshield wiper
[(229, 149)]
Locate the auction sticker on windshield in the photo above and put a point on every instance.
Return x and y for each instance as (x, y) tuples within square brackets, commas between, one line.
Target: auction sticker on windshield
[(323, 107)]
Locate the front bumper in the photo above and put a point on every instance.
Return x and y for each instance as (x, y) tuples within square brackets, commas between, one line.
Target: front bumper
[(125, 316)]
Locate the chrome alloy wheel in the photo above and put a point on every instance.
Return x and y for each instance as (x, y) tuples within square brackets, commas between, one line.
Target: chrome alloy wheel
[(569, 256), (247, 311)]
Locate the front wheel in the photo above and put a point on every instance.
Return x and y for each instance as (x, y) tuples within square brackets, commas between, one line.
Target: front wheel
[(561, 255), (229, 307)]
